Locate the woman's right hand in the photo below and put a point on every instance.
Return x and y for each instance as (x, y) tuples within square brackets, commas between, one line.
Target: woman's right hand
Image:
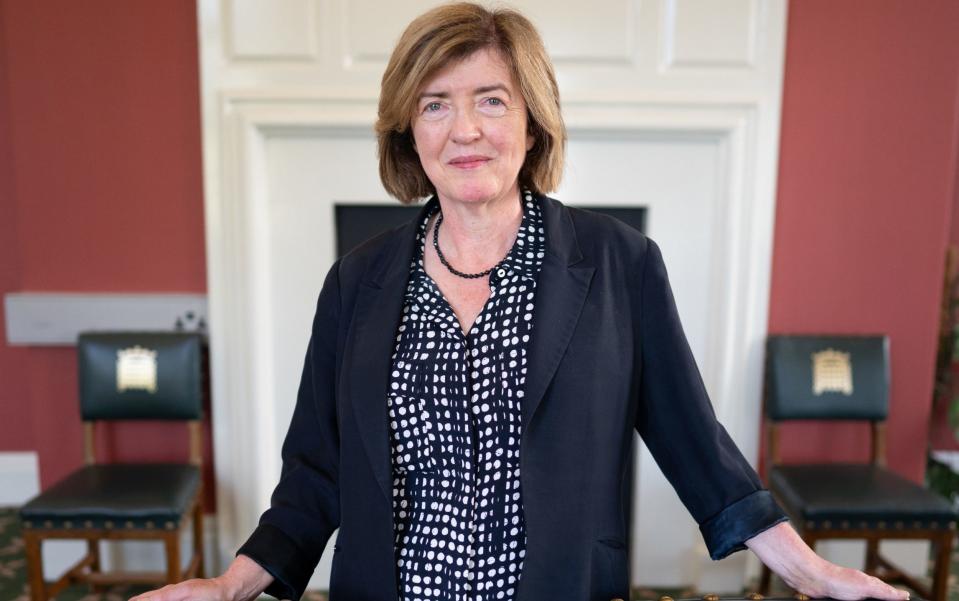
[(242, 581)]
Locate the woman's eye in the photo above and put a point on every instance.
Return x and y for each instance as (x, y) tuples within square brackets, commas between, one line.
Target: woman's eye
[(433, 110), (493, 106)]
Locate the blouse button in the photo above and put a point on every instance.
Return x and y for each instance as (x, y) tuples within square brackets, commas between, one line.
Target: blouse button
[(501, 272)]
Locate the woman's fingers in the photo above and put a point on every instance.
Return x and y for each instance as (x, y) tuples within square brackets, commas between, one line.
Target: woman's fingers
[(881, 590), (850, 585), (190, 590)]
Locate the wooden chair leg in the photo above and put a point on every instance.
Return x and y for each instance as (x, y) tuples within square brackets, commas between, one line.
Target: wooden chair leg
[(940, 575), (198, 537), (765, 577), (32, 546), (872, 556), (173, 567), (93, 551)]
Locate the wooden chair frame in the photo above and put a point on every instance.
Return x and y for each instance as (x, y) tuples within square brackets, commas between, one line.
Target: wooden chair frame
[(876, 564), (88, 569)]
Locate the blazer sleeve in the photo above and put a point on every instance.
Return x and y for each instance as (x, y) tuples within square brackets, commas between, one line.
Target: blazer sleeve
[(677, 422), (304, 508)]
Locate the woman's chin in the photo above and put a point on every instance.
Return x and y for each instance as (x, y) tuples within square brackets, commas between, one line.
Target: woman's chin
[(474, 194)]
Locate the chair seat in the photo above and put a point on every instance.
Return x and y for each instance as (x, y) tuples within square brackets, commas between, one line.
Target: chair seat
[(854, 496), (125, 496)]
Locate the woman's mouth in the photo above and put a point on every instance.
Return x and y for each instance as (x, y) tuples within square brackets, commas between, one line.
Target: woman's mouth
[(469, 162)]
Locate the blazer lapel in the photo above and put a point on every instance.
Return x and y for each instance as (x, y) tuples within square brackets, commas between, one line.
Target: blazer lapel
[(376, 316), (560, 294)]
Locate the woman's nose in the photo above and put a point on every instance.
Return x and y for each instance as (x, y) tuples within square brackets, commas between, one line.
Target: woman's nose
[(466, 127)]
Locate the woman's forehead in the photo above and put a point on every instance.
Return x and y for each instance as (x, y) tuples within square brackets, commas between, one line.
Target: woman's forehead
[(484, 68)]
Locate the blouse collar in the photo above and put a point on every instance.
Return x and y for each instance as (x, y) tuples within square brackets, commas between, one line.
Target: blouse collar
[(525, 257)]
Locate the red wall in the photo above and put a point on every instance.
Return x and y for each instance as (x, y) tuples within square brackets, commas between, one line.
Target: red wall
[(102, 191), (867, 181), (16, 431)]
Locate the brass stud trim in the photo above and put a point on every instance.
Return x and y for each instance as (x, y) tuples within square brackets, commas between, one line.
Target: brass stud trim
[(711, 597), (108, 524), (88, 524), (68, 524), (754, 597), (169, 525), (665, 598)]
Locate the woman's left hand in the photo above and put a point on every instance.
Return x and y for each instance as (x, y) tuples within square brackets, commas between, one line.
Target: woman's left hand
[(790, 557)]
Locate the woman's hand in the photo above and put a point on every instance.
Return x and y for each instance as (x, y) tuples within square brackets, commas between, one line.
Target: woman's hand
[(243, 580), (197, 589), (790, 557)]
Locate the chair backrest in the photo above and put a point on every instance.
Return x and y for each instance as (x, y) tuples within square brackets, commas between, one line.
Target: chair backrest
[(140, 375), (827, 377)]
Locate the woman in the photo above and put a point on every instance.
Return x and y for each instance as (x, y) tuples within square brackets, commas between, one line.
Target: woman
[(473, 377)]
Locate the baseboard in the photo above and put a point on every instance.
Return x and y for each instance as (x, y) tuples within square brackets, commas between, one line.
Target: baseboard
[(148, 556), (910, 555), (726, 576), (19, 477)]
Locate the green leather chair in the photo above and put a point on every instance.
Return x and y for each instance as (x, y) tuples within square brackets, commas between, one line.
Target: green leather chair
[(847, 378), (126, 376)]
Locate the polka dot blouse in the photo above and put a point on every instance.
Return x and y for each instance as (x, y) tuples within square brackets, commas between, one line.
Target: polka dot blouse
[(454, 410)]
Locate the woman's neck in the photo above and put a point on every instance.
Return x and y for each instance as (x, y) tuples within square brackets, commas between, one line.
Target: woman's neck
[(476, 236)]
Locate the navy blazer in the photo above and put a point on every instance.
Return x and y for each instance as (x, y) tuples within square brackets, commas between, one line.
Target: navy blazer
[(607, 354)]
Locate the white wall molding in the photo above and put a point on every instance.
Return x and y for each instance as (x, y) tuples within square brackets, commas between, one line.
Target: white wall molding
[(19, 477), (57, 318)]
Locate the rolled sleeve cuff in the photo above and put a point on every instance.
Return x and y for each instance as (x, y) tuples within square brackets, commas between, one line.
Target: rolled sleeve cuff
[(727, 531), (279, 555)]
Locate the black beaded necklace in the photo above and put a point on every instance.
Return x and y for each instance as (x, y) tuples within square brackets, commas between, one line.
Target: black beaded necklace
[(439, 253)]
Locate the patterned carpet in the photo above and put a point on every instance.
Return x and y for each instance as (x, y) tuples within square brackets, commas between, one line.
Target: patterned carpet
[(13, 575)]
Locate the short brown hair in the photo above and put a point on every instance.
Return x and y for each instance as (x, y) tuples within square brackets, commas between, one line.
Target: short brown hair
[(441, 37)]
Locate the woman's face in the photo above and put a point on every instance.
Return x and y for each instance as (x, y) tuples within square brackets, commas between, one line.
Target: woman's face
[(470, 130)]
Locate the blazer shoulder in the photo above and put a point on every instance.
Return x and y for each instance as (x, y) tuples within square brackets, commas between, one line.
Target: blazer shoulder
[(601, 234), (358, 261)]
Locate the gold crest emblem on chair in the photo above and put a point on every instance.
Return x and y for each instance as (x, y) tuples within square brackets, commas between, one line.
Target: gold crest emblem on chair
[(831, 372)]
